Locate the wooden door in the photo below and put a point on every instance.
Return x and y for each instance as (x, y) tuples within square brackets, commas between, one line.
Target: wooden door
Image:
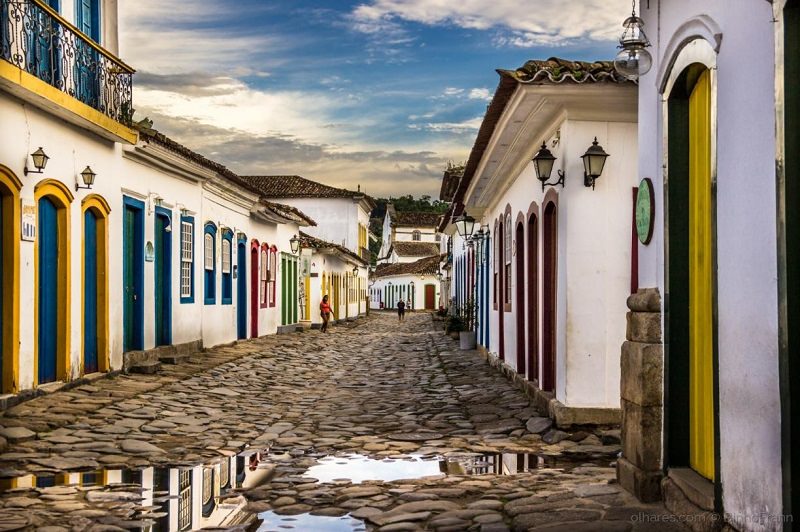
[(48, 290), (133, 276), (241, 290), (254, 288), (430, 297), (163, 281), (90, 278), (519, 295), (532, 308), (701, 367), (549, 262)]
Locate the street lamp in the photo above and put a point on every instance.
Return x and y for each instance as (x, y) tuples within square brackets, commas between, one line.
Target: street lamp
[(464, 225), (593, 162), (355, 271), (88, 179), (40, 159), (633, 59), (543, 164), (294, 242)]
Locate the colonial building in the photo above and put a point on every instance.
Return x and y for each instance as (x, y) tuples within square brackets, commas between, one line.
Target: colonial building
[(118, 244), (551, 256), (710, 373), (408, 236), (336, 259)]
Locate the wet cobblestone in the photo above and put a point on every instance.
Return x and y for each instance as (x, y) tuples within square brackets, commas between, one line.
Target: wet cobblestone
[(374, 388)]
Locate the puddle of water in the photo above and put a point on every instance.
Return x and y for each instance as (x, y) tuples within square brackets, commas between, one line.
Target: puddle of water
[(272, 522), (359, 468)]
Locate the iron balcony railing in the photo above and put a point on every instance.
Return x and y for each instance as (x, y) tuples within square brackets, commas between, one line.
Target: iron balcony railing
[(36, 39)]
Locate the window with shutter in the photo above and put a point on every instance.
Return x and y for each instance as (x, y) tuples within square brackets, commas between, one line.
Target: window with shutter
[(187, 260), (226, 255), (209, 251)]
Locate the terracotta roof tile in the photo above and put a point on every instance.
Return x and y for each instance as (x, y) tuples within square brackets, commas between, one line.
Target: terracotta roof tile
[(416, 219), (425, 266), (295, 186), (415, 249), (313, 242)]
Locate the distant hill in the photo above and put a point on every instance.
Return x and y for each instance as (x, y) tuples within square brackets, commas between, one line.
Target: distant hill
[(409, 203)]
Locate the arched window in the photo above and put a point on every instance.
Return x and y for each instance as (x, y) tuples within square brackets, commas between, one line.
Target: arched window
[(496, 269), (273, 268), (416, 236), (227, 282), (210, 266), (266, 273)]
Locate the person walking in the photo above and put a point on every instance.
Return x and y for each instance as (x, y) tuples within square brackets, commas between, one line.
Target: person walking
[(401, 310), (325, 312)]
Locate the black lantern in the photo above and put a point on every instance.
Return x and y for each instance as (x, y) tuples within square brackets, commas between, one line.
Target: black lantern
[(88, 179), (40, 159), (294, 242), (593, 162), (543, 164), (355, 271), (464, 225), (633, 59)]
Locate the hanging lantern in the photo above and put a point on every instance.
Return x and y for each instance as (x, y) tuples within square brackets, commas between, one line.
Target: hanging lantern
[(633, 59)]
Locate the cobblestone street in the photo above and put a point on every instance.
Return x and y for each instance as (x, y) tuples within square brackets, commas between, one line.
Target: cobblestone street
[(387, 424)]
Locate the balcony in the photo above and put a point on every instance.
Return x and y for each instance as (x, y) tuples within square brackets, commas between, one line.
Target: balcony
[(50, 63)]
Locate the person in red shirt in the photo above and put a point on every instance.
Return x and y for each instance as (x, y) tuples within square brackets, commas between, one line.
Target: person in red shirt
[(325, 312)]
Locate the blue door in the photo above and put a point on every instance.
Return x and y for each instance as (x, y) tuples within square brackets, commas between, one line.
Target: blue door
[(89, 292), (163, 278), (48, 290), (87, 58), (241, 291), (133, 275)]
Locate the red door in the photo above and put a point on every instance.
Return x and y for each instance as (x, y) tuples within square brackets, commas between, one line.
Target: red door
[(519, 303), (549, 318), (532, 310), (254, 299), (430, 297)]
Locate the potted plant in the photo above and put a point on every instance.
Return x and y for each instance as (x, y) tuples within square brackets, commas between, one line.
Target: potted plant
[(454, 325), (467, 336)]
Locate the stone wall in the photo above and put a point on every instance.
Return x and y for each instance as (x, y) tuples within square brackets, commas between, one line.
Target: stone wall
[(639, 470)]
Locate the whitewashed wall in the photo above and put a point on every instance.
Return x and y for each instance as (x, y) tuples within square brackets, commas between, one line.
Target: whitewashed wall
[(405, 280), (750, 450)]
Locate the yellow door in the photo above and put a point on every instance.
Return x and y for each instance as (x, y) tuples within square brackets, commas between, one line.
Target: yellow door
[(701, 380)]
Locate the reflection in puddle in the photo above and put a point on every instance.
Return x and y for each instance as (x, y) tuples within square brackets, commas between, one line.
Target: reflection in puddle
[(173, 498), (359, 468), (271, 522)]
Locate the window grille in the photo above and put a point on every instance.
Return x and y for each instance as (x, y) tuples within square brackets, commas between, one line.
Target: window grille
[(187, 258)]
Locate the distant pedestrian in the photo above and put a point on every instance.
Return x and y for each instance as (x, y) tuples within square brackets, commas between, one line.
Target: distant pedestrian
[(401, 310), (325, 312)]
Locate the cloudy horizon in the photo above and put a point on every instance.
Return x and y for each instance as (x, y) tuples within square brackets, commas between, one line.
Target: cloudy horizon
[(378, 93)]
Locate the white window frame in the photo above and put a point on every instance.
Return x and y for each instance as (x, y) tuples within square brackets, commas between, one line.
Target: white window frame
[(208, 242), (187, 257)]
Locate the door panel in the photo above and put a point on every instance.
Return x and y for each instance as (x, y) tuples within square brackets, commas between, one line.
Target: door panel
[(254, 291), (90, 316), (430, 297), (133, 278), (241, 291), (163, 281), (701, 388), (48, 290), (549, 321)]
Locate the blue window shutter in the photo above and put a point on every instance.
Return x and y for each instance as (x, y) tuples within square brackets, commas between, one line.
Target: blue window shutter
[(210, 275), (88, 18)]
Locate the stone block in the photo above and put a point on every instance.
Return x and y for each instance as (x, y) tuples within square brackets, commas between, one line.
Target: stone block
[(566, 416), (644, 485), (642, 373), (645, 300), (698, 519), (644, 327), (642, 435)]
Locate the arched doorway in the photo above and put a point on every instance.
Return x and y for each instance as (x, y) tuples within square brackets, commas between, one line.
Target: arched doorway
[(550, 280), (500, 265), (52, 284), (690, 289), (10, 187), (255, 250), (519, 294), (95, 284), (532, 310)]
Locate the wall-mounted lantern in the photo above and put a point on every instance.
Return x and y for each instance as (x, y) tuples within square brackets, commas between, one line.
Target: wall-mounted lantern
[(88, 177), (294, 242), (633, 59), (593, 162), (543, 164), (355, 271), (464, 225), (40, 159)]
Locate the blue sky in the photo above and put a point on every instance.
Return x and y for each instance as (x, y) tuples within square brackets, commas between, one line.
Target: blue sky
[(377, 93)]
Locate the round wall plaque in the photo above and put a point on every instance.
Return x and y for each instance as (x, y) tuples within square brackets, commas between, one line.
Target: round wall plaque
[(645, 211)]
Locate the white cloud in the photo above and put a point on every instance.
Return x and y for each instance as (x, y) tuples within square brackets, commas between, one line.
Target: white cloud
[(547, 22), (480, 94), (466, 126), (453, 91)]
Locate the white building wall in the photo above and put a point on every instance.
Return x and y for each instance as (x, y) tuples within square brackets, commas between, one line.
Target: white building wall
[(337, 219), (750, 450), (418, 292)]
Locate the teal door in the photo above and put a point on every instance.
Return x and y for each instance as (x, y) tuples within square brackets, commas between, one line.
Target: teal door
[(241, 290), (163, 280), (48, 290), (89, 292), (133, 275)]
